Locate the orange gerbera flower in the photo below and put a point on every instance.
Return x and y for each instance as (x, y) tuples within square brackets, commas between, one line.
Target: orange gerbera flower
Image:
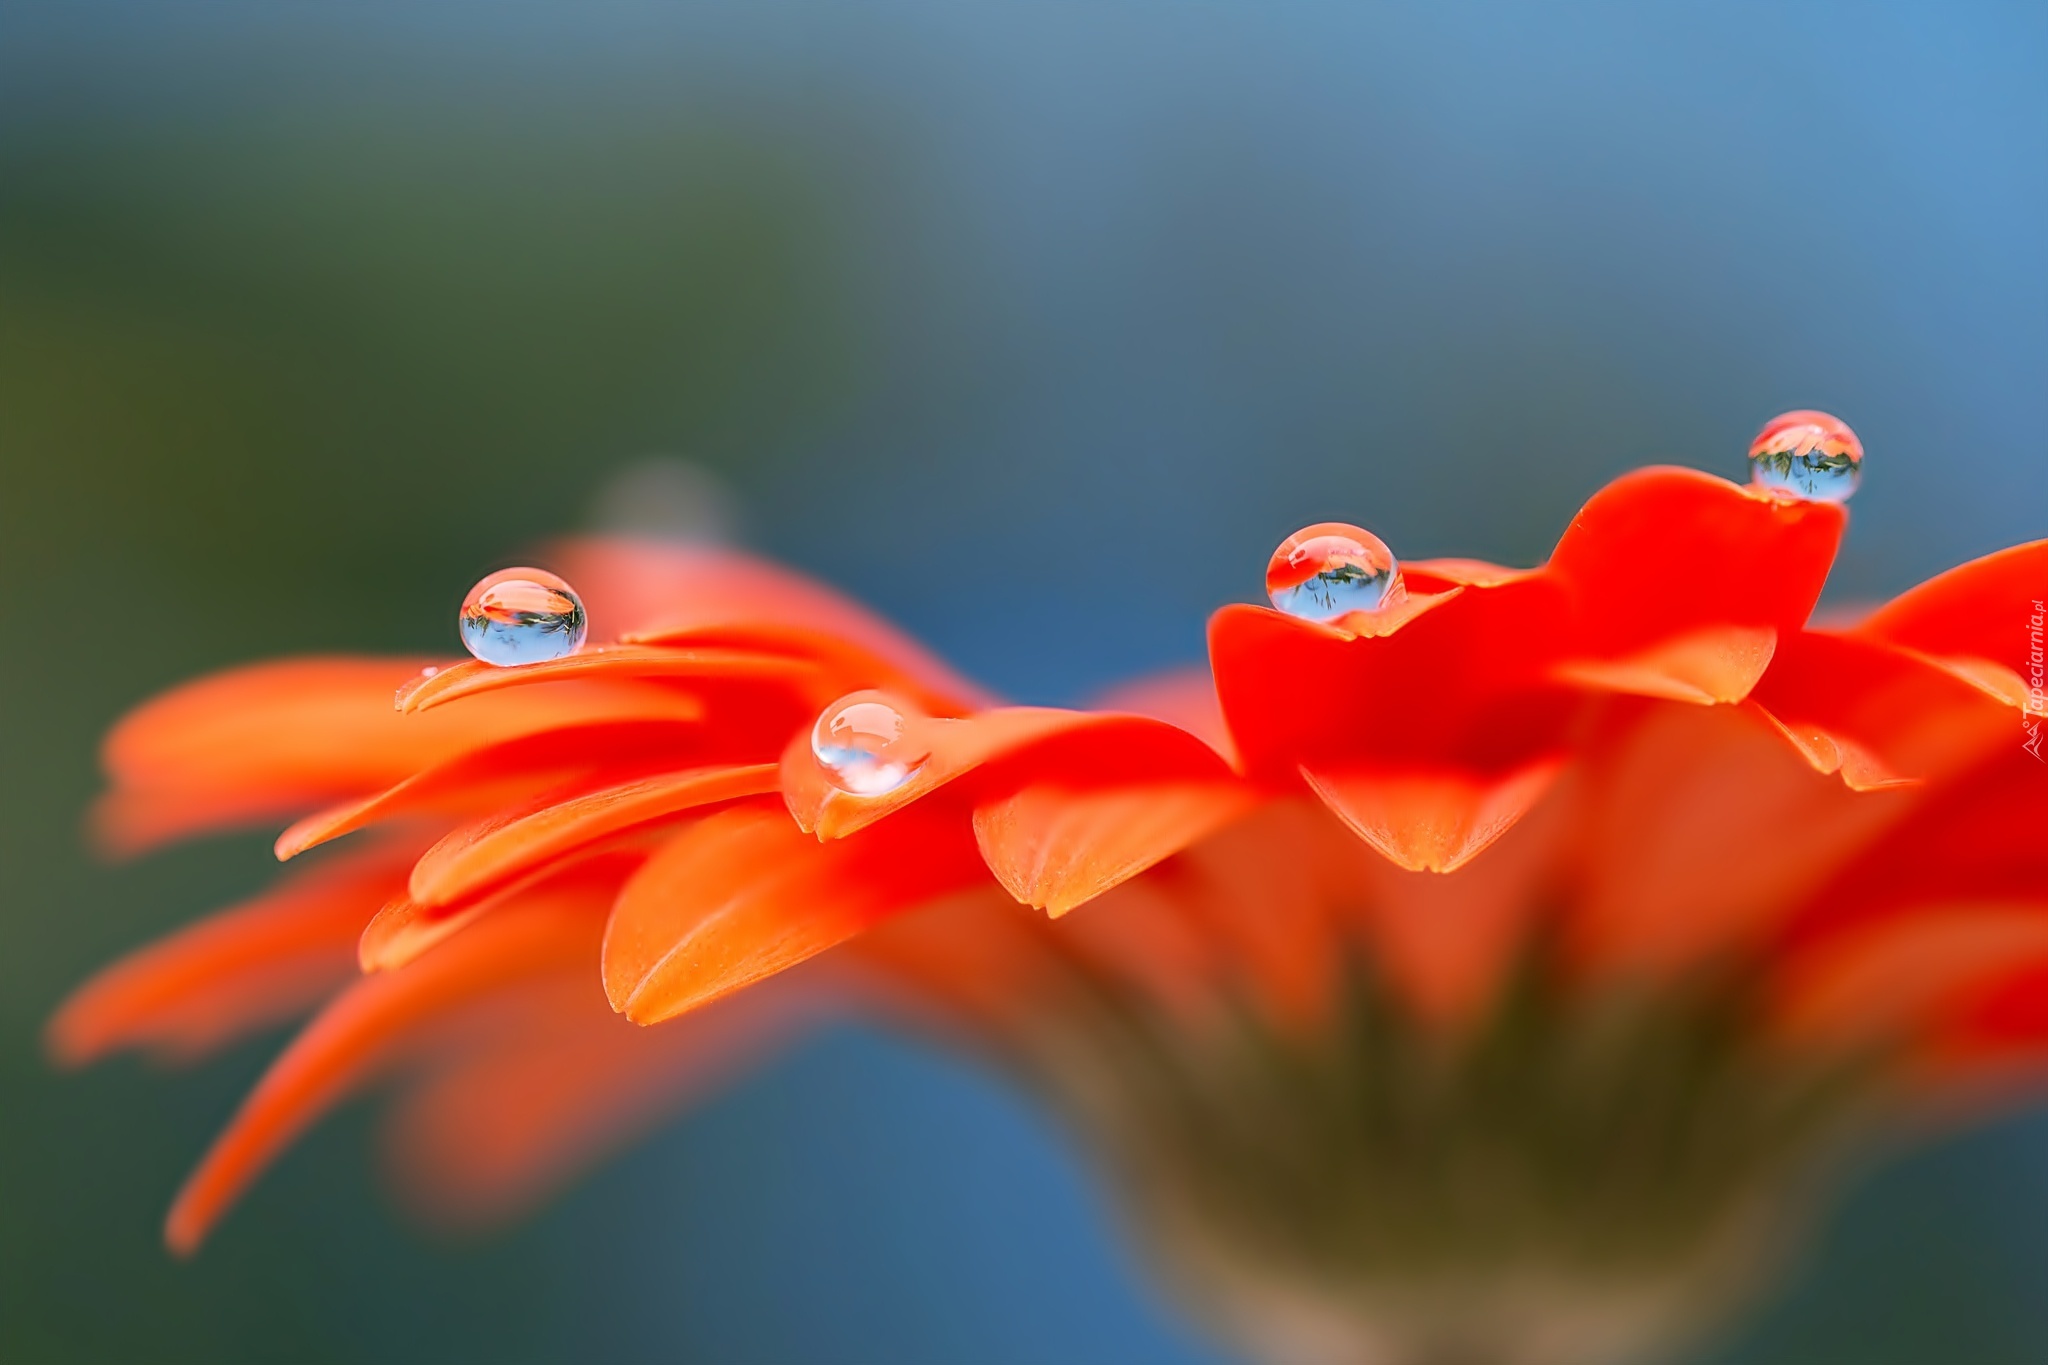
[(1472, 958)]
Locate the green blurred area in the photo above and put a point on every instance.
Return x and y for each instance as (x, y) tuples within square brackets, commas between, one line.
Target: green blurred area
[(272, 389)]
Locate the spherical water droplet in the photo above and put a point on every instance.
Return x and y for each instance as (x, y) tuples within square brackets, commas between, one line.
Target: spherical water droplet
[(1807, 455), (522, 616), (867, 744), (1323, 571)]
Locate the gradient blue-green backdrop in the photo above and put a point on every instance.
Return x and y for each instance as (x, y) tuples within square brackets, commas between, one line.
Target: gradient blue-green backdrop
[(1037, 323)]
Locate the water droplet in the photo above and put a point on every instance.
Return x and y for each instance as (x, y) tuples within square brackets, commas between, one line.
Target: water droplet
[(522, 616), (1808, 455), (1324, 571), (867, 744)]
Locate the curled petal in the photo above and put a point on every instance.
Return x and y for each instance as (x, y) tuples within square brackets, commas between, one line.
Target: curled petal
[(1464, 683), (1431, 821), (1720, 664), (1664, 552), (743, 894), (1054, 848)]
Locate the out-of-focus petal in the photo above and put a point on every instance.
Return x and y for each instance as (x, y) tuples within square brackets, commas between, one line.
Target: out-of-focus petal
[(236, 971), (1054, 848), (743, 895), (558, 1084), (1879, 715), (1888, 981), (701, 595), (367, 1026), (1183, 697), (1704, 830), (501, 847)]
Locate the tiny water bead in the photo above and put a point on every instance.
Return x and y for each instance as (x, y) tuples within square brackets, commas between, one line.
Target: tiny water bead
[(522, 616), (1324, 571), (1807, 455), (866, 744)]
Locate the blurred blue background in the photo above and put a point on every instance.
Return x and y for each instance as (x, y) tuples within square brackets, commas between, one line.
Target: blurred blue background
[(1036, 324)]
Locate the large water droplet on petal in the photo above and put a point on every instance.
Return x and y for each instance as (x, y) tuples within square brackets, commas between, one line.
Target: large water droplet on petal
[(522, 616), (1323, 571), (867, 743), (1807, 455)]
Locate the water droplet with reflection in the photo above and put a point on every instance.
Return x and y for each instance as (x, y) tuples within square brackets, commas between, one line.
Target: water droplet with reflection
[(522, 616), (866, 744), (1807, 455), (1324, 571)]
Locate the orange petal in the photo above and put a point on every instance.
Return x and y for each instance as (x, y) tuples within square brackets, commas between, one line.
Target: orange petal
[(1662, 553), (1704, 831), (1983, 839), (1383, 621), (652, 593), (610, 663), (1879, 715), (1719, 664), (1078, 747), (1434, 575), (1981, 610), (1886, 979), (497, 774), (404, 928), (1431, 821), (1054, 848), (232, 972), (1448, 942), (363, 1029), (258, 742), (744, 894), (500, 848), (1465, 684)]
